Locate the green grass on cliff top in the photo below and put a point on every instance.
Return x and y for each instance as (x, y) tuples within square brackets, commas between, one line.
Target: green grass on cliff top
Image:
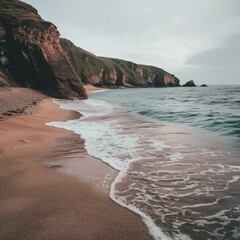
[(85, 62), (90, 65), (16, 13)]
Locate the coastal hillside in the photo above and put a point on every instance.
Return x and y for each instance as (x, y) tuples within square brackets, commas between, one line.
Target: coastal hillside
[(112, 72), (33, 55)]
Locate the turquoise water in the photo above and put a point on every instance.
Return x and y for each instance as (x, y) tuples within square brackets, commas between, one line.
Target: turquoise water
[(215, 108), (177, 153)]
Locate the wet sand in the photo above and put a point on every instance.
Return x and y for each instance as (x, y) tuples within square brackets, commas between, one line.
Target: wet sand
[(37, 201)]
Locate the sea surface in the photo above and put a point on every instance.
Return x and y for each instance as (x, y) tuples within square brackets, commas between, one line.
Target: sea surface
[(177, 153)]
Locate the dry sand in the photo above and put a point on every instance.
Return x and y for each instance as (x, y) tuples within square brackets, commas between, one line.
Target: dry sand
[(90, 88), (37, 202), (15, 101)]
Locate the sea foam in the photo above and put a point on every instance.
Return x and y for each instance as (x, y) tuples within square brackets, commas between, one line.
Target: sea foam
[(166, 175)]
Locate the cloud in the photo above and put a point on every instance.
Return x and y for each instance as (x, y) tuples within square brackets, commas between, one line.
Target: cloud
[(226, 56), (180, 36), (220, 65), (209, 76)]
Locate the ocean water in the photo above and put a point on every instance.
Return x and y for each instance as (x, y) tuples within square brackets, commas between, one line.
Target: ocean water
[(177, 151)]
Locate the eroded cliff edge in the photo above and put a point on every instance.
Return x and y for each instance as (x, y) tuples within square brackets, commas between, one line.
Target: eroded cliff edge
[(32, 55), (112, 72)]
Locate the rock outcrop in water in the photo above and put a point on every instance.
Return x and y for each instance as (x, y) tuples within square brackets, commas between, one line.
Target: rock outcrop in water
[(32, 55), (189, 84), (203, 85)]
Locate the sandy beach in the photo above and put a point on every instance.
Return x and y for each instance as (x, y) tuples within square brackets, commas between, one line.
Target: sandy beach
[(90, 88), (36, 200)]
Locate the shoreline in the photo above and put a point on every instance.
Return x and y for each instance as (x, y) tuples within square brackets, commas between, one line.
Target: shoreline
[(91, 89), (37, 202), (154, 231)]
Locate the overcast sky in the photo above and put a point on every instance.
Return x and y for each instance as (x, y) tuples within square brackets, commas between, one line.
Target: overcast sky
[(193, 39)]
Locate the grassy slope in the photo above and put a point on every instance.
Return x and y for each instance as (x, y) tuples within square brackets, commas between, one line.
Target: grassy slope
[(88, 65), (15, 13), (83, 61)]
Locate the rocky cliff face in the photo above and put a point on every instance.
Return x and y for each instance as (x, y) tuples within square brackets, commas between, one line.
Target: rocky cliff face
[(110, 72), (31, 54)]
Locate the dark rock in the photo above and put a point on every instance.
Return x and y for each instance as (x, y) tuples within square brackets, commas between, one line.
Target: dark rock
[(31, 54), (16, 111), (203, 85), (189, 84), (7, 113)]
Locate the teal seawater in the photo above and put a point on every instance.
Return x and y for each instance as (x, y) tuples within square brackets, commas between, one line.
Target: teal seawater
[(183, 181), (215, 108)]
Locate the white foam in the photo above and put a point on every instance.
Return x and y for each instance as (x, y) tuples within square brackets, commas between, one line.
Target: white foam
[(159, 145), (205, 204), (220, 214), (152, 227), (203, 222), (87, 108), (140, 154), (234, 179), (236, 233), (98, 136), (99, 104), (102, 90), (176, 157)]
